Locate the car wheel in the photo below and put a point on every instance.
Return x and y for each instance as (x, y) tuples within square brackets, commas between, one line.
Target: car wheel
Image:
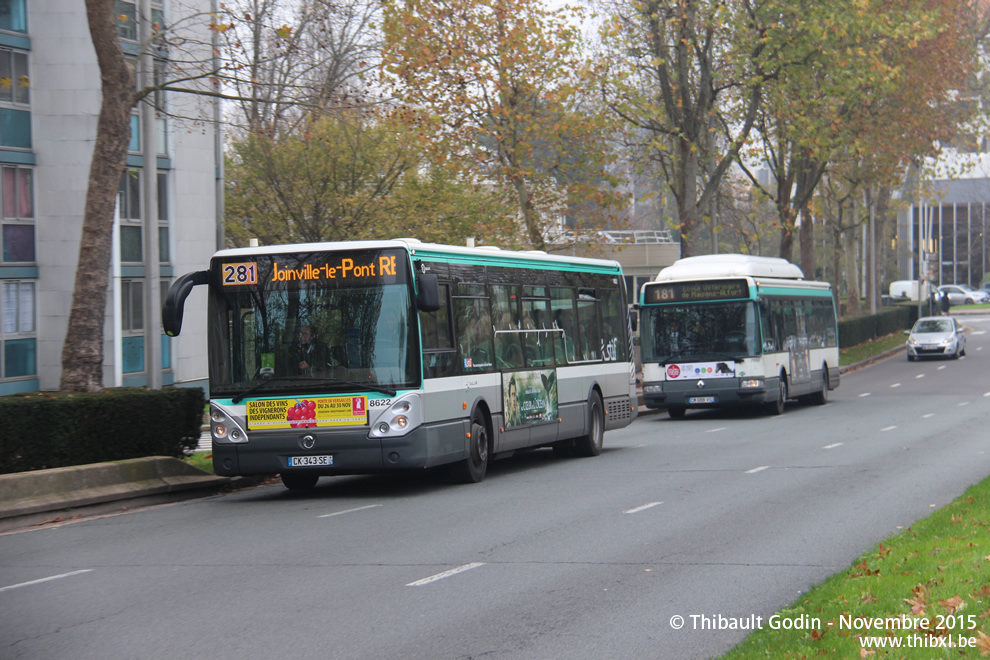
[(299, 480), (676, 412), (910, 358), (591, 444)]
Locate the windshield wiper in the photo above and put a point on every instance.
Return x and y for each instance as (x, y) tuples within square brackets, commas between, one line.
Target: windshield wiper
[(360, 386)]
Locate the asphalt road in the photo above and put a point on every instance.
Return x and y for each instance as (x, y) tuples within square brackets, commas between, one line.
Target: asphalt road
[(719, 514)]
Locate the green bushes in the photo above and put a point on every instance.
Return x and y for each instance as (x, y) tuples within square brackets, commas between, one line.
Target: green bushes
[(888, 320), (57, 429)]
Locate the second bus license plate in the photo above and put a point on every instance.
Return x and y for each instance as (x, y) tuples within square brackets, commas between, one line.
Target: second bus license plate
[(701, 399), (310, 461)]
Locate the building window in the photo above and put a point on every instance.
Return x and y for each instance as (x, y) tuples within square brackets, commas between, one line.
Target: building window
[(17, 202), (15, 85), (13, 15), (17, 330), (131, 227)]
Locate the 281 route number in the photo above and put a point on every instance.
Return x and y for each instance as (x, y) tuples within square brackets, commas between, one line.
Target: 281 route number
[(240, 274)]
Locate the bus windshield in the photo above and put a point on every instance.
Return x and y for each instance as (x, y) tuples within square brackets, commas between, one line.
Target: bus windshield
[(698, 332), (312, 322)]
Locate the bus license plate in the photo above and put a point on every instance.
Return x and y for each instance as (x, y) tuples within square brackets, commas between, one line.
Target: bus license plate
[(701, 399), (310, 461)]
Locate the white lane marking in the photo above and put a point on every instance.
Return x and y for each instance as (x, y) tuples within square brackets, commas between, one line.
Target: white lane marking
[(889, 428), (962, 403), (865, 394), (978, 332), (895, 385), (340, 513), (759, 469), (942, 367), (643, 508), (920, 376), (928, 415), (986, 394), (445, 574), (721, 428), (47, 579), (833, 445)]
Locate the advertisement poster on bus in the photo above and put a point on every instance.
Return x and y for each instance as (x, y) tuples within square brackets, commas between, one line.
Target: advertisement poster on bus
[(307, 413), (696, 370), (530, 397)]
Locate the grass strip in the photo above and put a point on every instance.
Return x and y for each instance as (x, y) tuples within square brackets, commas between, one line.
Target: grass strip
[(869, 349), (922, 593)]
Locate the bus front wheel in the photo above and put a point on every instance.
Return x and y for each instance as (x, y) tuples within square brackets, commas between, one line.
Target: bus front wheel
[(591, 444), (777, 407), (676, 412), (472, 469)]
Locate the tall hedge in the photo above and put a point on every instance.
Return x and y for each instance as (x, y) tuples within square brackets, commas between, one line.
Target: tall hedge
[(58, 429), (887, 321)]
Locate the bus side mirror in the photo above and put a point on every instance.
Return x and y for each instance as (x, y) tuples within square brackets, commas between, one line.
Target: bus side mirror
[(428, 292), (633, 319), (175, 300)]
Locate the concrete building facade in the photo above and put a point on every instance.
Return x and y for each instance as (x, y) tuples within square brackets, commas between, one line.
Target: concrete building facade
[(49, 106)]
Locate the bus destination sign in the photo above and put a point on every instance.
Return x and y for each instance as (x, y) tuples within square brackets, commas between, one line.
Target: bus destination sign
[(705, 290), (380, 266)]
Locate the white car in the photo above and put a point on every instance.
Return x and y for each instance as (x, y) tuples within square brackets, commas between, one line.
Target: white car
[(936, 336), (963, 294)]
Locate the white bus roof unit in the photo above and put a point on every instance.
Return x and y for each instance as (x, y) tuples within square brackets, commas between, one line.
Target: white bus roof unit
[(729, 265)]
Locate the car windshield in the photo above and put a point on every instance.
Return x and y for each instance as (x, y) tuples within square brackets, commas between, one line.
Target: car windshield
[(933, 325)]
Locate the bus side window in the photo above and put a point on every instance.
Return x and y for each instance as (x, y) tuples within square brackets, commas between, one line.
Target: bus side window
[(506, 323), (438, 349), (562, 306), (588, 325)]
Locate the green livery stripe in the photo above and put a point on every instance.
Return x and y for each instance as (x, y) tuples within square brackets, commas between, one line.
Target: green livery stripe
[(521, 261)]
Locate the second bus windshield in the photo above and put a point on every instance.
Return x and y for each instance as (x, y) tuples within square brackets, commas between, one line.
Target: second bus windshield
[(695, 332)]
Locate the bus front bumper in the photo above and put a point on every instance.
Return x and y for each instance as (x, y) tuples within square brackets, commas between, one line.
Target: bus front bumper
[(708, 393), (341, 452)]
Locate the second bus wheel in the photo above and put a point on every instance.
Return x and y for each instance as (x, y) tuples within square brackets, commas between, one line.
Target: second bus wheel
[(472, 469), (591, 444)]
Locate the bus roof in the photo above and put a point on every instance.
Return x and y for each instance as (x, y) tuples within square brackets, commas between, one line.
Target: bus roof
[(729, 265), (480, 255)]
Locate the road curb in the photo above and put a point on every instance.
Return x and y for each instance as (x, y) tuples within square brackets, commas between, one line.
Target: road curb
[(26, 493)]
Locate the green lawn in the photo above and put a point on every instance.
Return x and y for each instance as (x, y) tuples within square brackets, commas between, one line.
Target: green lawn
[(920, 594)]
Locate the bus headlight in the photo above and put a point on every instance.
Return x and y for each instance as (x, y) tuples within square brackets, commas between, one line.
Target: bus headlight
[(654, 388), (752, 385), (224, 427), (399, 418)]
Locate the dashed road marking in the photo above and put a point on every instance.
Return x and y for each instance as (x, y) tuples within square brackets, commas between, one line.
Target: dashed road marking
[(643, 508), (47, 579), (833, 445), (340, 513), (446, 574), (758, 469)]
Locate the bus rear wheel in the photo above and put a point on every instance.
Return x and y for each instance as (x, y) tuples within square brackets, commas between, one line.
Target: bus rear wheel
[(299, 480), (591, 444), (472, 469)]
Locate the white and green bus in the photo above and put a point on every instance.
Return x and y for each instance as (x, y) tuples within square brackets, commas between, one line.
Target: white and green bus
[(377, 356), (735, 330)]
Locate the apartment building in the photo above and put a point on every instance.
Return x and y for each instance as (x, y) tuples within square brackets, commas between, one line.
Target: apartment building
[(49, 104)]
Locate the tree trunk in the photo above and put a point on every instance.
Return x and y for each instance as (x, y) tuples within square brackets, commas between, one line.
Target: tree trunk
[(808, 244), (850, 241), (82, 352)]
